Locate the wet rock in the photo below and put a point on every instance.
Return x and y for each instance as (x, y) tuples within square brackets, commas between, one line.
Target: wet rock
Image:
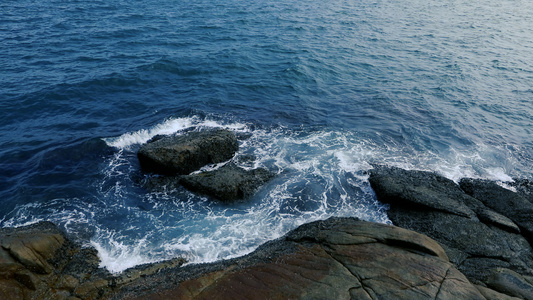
[(227, 183), (475, 244), (339, 258), (183, 154), (524, 188), (39, 262), (420, 189), (503, 201)]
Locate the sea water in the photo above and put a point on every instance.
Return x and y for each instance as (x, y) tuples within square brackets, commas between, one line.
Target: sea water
[(324, 89)]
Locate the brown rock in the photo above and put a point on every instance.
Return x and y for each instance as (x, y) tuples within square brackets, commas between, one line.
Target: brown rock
[(339, 258)]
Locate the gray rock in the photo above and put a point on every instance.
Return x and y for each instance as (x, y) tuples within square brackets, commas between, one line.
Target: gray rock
[(491, 294), (418, 189), (503, 201), (227, 183), (524, 188), (488, 216), (183, 154), (511, 283), (474, 244)]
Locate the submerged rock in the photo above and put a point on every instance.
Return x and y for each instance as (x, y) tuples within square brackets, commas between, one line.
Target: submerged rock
[(183, 154), (227, 183)]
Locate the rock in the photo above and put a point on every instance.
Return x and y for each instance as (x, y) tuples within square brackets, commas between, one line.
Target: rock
[(475, 244), (488, 216), (503, 201), (511, 283), (39, 262), (523, 187), (32, 246), (490, 294), (183, 154), (418, 189), (339, 258), (227, 183)]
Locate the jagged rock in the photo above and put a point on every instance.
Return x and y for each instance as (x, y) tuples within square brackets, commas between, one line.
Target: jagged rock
[(183, 154), (503, 201), (339, 258), (475, 244), (418, 189), (227, 183)]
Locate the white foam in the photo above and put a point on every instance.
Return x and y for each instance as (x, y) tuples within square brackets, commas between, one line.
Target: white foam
[(169, 126), (319, 174), (116, 256)]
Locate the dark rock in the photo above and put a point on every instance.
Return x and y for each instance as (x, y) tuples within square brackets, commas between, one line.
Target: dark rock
[(40, 262), (418, 189), (510, 283), (183, 154), (488, 216), (524, 188), (227, 183), (339, 258), (503, 201), (475, 244), (491, 294)]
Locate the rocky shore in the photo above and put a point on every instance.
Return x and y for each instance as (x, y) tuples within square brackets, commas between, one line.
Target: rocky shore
[(466, 240), (470, 240)]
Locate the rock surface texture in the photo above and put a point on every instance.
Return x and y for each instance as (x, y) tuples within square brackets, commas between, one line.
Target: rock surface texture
[(227, 183), (466, 241), (183, 154), (40, 262), (178, 156), (339, 258), (484, 228)]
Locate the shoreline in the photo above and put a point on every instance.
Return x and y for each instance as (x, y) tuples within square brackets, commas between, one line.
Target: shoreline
[(470, 240)]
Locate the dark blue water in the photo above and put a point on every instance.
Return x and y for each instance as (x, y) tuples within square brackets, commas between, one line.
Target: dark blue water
[(325, 88)]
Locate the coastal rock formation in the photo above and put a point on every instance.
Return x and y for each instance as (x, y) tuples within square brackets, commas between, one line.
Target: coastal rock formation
[(177, 156), (227, 183), (39, 262), (482, 230), (467, 241), (339, 258), (183, 154)]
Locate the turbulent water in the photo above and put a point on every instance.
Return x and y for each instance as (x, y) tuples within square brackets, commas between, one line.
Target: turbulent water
[(324, 88)]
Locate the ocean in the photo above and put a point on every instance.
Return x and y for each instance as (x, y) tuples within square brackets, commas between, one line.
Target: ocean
[(325, 89)]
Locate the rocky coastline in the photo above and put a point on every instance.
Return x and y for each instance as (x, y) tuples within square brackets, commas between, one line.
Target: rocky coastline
[(465, 240)]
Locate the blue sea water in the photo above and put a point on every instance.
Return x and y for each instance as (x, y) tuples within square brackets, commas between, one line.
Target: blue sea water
[(325, 88)]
